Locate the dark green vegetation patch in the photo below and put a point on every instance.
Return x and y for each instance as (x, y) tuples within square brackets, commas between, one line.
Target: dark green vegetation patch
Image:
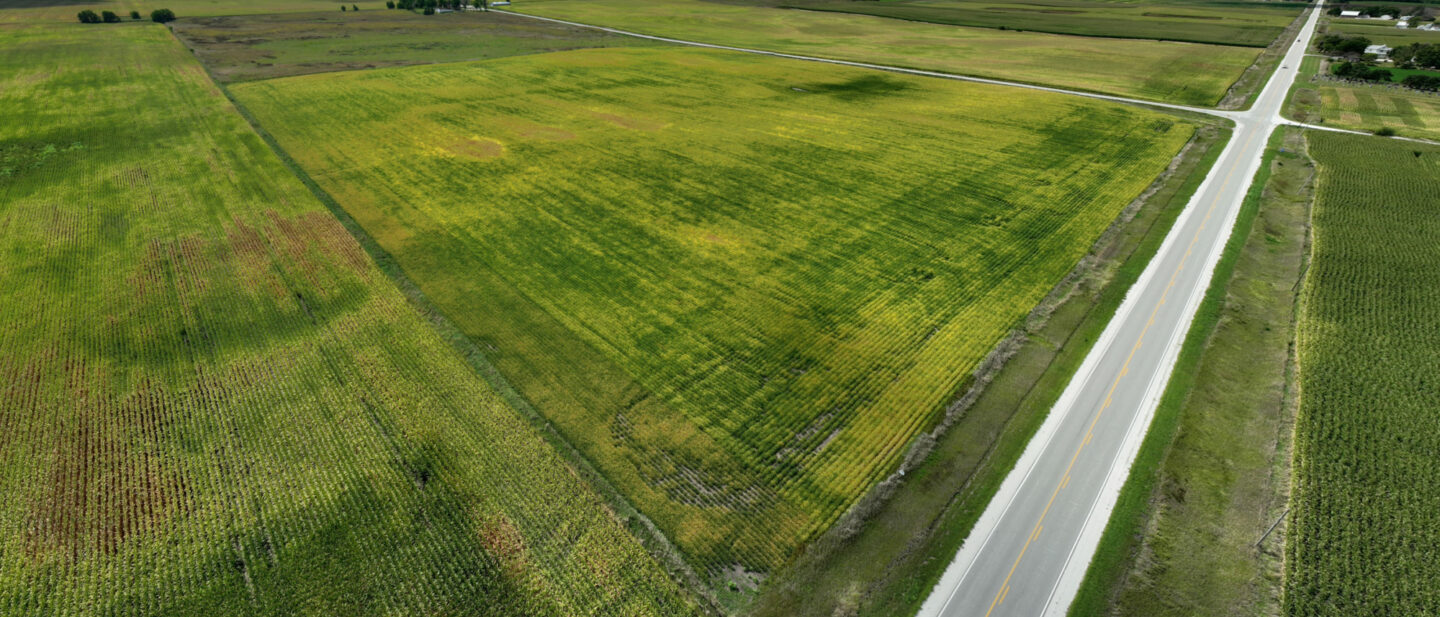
[(1364, 532)]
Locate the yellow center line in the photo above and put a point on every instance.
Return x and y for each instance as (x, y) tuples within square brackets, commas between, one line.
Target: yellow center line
[(1090, 432)]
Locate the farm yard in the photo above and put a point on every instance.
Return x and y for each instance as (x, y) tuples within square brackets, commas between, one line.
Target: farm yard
[(1382, 32), (739, 285), (212, 401), (1163, 71), (1364, 107), (1248, 24), (246, 47), (1363, 533)]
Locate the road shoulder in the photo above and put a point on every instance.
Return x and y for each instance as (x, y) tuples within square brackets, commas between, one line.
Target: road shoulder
[(1185, 538)]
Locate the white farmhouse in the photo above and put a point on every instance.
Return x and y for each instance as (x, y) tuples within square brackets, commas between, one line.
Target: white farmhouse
[(1382, 52), (1402, 24)]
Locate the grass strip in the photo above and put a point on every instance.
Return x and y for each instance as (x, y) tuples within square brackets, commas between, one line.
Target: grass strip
[(1124, 533)]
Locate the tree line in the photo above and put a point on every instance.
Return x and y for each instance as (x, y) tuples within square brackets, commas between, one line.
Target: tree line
[(158, 16), (429, 6)]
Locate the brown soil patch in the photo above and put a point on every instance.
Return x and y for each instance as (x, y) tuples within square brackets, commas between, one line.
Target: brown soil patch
[(479, 149), (108, 478), (502, 540)]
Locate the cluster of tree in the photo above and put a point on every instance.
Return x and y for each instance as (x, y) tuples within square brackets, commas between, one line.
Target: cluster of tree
[(1417, 55), (1340, 45), (352, 7), (429, 6), (1429, 83), (88, 16), (1359, 71), (1367, 11)]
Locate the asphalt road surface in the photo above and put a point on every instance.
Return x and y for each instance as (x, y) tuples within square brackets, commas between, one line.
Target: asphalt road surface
[(1028, 553)]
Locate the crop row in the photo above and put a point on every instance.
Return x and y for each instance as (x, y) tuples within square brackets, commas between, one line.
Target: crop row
[(1364, 534), (213, 402), (740, 285)]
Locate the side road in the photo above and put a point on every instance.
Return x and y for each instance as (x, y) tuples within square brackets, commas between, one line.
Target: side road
[(894, 69)]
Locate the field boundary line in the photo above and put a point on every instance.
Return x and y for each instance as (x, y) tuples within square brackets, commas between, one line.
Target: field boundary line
[(894, 69)]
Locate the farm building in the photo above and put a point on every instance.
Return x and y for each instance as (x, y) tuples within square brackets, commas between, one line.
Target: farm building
[(1349, 13), (1381, 52), (1402, 24)]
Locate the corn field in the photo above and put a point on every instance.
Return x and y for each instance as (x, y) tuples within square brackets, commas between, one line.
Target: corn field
[(1365, 535), (212, 402)]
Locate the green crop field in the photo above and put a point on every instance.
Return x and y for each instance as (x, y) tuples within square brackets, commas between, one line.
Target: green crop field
[(29, 11), (739, 284), (1363, 107), (266, 46), (1249, 24), (1363, 537), (1155, 70), (1382, 32), (212, 401)]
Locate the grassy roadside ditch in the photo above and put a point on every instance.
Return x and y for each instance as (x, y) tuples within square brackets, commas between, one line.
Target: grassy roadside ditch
[(1185, 538), (884, 558)]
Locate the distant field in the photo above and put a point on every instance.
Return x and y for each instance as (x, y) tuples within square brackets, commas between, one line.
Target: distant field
[(1383, 32), (27, 11), (740, 285), (1249, 24), (266, 46), (1162, 71), (212, 402), (1364, 107), (1363, 535)]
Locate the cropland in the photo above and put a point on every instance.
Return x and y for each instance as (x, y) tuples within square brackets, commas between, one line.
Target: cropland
[(1248, 24), (213, 402), (1363, 535), (1164, 71), (1384, 32), (63, 11), (1363, 107), (739, 285), (246, 47)]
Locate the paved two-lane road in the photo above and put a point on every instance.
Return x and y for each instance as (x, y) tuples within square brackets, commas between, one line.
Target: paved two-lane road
[(1028, 553)]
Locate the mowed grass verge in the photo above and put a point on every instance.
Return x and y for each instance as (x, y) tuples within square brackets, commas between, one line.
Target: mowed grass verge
[(1363, 532), (1186, 73), (246, 47), (212, 402), (739, 285), (1212, 475)]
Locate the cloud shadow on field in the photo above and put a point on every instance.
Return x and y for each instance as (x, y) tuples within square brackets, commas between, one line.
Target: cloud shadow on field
[(863, 87)]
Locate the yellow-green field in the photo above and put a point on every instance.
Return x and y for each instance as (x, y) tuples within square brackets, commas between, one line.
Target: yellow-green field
[(31, 11), (1364, 107), (212, 402), (1173, 72), (740, 285)]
